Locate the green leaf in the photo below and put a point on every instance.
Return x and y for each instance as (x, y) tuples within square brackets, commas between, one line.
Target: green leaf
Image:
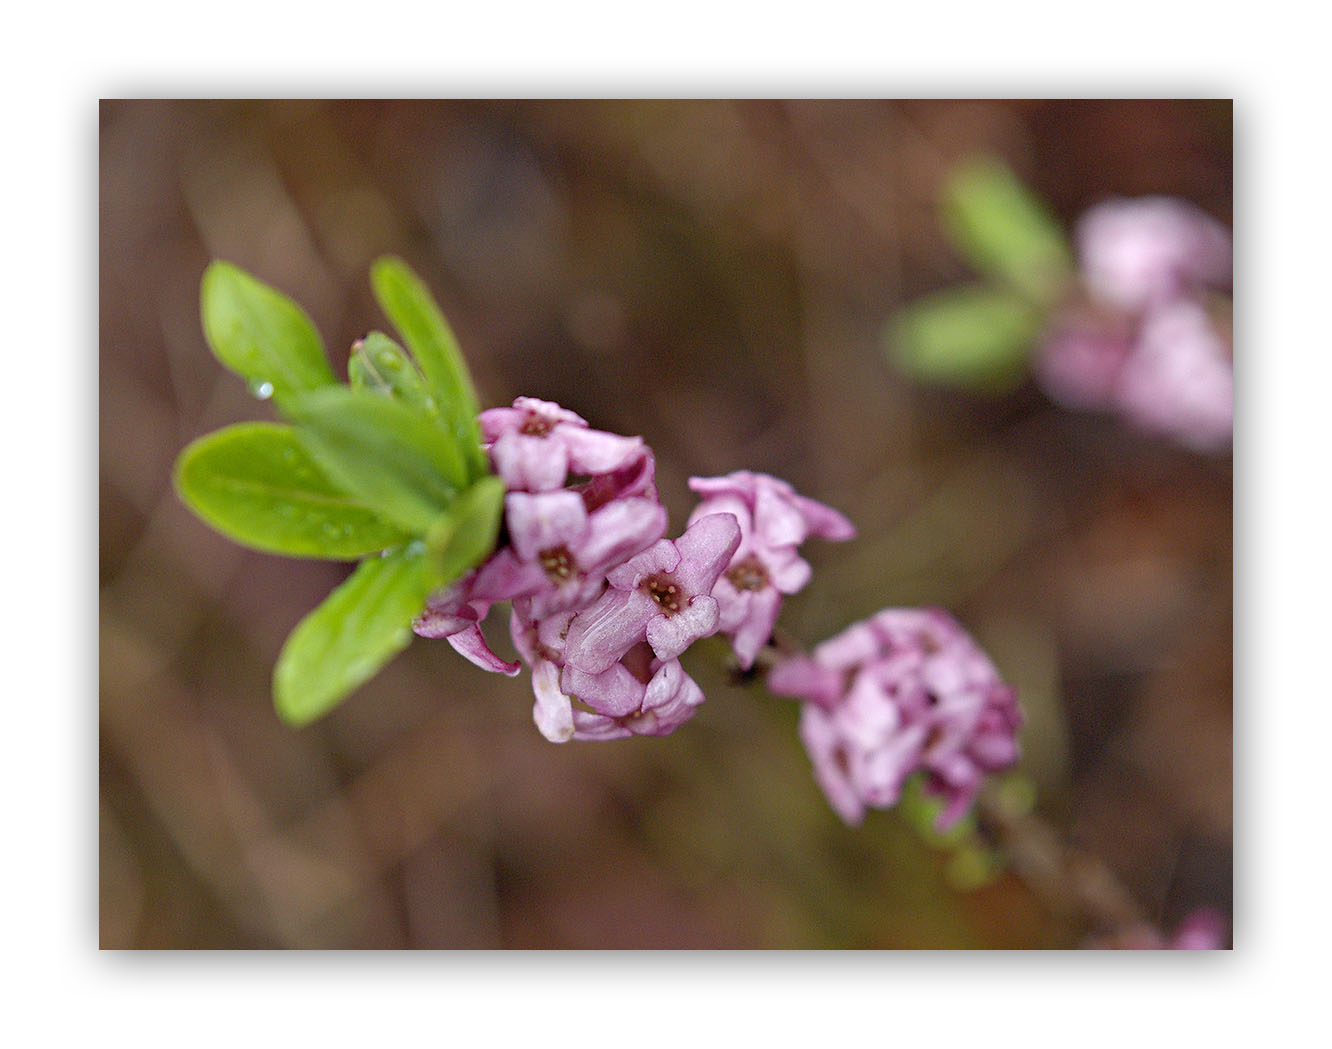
[(1004, 230), (255, 483), (407, 302), (382, 453), (380, 365), (359, 627), (973, 337), (261, 335), (465, 535)]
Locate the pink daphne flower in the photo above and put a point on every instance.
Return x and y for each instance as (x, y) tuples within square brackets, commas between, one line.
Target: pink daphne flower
[(1144, 342), (535, 444), (559, 541), (558, 553), (904, 691), (639, 694), (662, 596), (1140, 252), (773, 521), (1180, 379), (455, 615)]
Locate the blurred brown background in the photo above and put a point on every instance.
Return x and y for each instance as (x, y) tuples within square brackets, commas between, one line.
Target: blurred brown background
[(713, 276)]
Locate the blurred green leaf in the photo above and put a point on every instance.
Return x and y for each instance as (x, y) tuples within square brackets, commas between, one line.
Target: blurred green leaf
[(462, 537), (261, 335), (255, 483), (973, 337), (381, 452), (358, 628), (379, 365), (407, 302), (1004, 230), (972, 867)]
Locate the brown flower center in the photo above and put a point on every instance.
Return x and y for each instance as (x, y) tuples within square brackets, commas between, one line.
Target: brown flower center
[(557, 562), (665, 593), (536, 426), (749, 574)]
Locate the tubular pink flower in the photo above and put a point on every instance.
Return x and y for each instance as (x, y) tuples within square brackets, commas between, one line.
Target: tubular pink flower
[(661, 595), (638, 695), (453, 615), (1080, 359), (905, 691), (535, 444), (773, 520), (1141, 252), (1144, 343), (559, 553), (1180, 379)]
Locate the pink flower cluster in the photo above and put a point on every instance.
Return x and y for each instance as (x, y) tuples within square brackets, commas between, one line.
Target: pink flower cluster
[(902, 692), (1143, 341), (603, 604)]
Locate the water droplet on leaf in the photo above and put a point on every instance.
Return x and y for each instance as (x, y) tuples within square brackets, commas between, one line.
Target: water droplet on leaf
[(261, 389)]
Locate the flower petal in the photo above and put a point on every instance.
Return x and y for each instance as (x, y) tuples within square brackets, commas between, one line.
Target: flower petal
[(661, 556), (553, 713), (599, 636), (614, 692), (671, 635), (544, 520), (753, 632), (705, 551), (471, 644), (598, 452), (618, 531)]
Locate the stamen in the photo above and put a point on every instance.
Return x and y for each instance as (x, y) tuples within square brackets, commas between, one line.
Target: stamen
[(665, 593), (557, 562), (749, 574), (536, 426)]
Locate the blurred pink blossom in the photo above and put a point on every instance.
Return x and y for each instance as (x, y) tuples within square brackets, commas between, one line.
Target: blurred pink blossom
[(1143, 342), (904, 691)]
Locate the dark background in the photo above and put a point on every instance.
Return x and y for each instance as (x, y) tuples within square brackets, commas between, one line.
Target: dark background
[(713, 276)]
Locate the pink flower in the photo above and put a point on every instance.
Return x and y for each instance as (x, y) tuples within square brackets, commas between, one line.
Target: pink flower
[(535, 444), (454, 615), (558, 541), (558, 553), (1179, 379), (662, 595), (637, 695), (1144, 343), (1080, 359), (905, 691), (773, 521), (1138, 253)]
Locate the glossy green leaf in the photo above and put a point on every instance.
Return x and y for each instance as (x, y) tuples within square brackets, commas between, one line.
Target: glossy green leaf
[(256, 483), (1004, 230), (407, 302), (379, 365), (465, 535), (973, 337), (381, 452), (358, 628), (261, 335)]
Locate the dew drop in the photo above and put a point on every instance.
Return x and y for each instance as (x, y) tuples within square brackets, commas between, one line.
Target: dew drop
[(261, 388)]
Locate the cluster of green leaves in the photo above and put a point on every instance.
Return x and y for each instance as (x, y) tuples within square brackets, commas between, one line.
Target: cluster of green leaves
[(980, 336), (386, 469)]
